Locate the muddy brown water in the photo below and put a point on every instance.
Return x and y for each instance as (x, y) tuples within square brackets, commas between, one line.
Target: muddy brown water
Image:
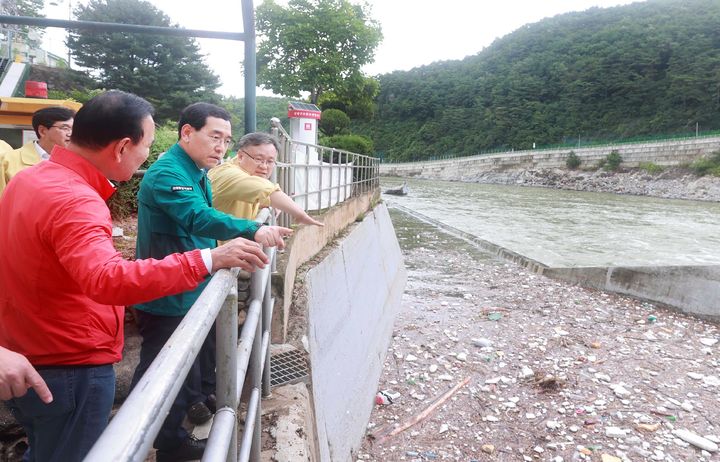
[(572, 228)]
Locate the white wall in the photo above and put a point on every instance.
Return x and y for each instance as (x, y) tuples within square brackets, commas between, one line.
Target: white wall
[(353, 296)]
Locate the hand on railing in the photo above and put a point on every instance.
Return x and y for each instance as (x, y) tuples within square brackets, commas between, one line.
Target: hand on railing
[(272, 236), (241, 253)]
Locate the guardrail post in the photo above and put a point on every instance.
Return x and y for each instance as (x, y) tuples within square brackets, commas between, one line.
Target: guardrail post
[(226, 326), (255, 368), (266, 323)]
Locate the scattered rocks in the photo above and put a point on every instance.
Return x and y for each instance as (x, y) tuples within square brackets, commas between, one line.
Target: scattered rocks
[(616, 432), (673, 183), (565, 374), (482, 342), (696, 440)]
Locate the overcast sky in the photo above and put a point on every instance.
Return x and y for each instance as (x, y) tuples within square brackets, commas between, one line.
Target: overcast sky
[(416, 32)]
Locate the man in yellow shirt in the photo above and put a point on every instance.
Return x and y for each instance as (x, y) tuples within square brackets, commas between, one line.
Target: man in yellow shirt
[(240, 186), (52, 125)]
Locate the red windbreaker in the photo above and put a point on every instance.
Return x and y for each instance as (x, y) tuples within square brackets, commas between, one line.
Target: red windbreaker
[(63, 286)]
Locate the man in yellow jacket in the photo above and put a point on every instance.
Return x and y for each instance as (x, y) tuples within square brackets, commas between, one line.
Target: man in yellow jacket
[(52, 125), (240, 186)]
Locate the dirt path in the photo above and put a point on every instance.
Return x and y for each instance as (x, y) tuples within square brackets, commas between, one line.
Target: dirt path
[(570, 374)]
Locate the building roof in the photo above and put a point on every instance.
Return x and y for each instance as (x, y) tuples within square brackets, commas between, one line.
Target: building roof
[(19, 111)]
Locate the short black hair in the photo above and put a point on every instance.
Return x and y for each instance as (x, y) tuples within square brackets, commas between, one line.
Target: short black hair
[(257, 139), (108, 117), (49, 115), (196, 115)]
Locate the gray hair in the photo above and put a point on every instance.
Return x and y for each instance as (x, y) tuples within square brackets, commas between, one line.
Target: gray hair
[(257, 139)]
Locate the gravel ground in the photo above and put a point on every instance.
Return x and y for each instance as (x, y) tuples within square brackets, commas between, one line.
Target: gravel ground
[(556, 372)]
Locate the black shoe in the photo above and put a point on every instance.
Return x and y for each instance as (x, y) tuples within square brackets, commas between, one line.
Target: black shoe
[(211, 403), (199, 413), (190, 449)]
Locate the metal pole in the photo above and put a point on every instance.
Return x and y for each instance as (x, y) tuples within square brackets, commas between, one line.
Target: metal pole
[(250, 66), (253, 414), (321, 169), (266, 322), (131, 432), (226, 360), (307, 177), (222, 441), (132, 28), (255, 371)]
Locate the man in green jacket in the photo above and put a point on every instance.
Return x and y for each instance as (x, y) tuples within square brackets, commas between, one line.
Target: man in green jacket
[(175, 214)]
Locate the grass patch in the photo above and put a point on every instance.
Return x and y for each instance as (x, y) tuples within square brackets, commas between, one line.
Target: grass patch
[(651, 168), (707, 165), (572, 161)]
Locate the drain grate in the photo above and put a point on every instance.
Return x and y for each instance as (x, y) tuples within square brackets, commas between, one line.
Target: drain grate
[(288, 367)]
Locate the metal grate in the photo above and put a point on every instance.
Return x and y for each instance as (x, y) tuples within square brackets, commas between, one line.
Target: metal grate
[(288, 367)]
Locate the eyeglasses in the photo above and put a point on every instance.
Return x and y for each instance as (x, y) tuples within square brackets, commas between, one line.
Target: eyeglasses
[(63, 127), (217, 140), (266, 162)]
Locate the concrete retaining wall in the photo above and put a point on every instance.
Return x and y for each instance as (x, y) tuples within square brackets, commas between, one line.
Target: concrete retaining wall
[(353, 296), (303, 245), (666, 153), (691, 289)]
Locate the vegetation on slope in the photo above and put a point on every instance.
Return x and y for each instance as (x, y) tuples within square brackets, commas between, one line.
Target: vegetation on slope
[(646, 68)]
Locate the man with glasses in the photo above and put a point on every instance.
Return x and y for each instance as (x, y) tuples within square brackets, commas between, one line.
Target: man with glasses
[(64, 286), (175, 214), (53, 127), (241, 186)]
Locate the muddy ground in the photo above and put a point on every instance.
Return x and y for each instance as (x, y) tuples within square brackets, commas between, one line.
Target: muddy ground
[(556, 372)]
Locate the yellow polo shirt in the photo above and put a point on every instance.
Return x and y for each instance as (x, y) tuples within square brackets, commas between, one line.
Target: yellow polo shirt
[(11, 162), (238, 193)]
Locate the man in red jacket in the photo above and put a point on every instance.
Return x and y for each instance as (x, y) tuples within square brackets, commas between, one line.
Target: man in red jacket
[(63, 286)]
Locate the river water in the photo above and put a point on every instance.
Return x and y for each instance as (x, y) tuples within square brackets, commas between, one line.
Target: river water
[(572, 228)]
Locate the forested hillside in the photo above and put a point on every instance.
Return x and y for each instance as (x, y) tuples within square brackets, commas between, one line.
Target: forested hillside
[(647, 68)]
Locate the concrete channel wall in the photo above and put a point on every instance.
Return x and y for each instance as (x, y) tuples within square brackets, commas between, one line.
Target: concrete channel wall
[(666, 153), (690, 289), (353, 296)]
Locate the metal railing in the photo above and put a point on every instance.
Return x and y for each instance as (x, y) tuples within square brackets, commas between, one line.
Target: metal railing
[(318, 177), (131, 433)]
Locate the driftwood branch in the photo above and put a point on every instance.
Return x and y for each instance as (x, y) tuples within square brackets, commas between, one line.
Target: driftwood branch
[(387, 431)]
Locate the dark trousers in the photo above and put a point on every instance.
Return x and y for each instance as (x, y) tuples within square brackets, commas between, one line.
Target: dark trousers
[(155, 331), (66, 429)]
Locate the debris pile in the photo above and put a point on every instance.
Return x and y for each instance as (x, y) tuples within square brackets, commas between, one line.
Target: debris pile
[(490, 362)]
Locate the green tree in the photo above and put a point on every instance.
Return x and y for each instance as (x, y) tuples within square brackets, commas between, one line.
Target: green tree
[(33, 8), (167, 71), (266, 107), (313, 45), (334, 122), (572, 161), (353, 143), (356, 98), (646, 69)]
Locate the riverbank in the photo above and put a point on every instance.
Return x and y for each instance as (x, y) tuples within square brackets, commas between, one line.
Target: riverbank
[(671, 183), (557, 372)]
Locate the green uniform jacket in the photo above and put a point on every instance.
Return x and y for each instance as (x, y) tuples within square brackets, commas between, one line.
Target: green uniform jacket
[(175, 214)]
